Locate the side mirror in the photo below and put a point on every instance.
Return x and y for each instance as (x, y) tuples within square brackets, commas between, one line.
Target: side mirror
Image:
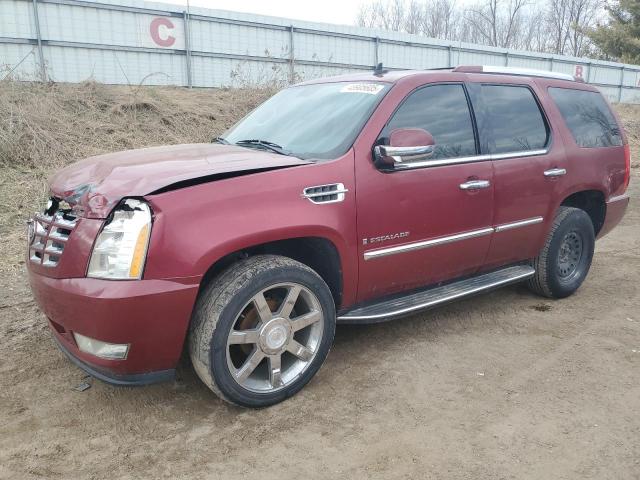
[(406, 145)]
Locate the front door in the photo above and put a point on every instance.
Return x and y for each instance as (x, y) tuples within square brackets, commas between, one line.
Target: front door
[(426, 223)]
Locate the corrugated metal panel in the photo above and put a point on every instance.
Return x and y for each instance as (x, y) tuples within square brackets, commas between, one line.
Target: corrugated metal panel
[(18, 60), (408, 57), (132, 41), (16, 19)]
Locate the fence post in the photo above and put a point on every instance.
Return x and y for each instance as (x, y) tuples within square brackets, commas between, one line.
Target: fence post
[(376, 45), (621, 84), (450, 48), (187, 46), (292, 68), (589, 66), (551, 64), (506, 59), (36, 18)]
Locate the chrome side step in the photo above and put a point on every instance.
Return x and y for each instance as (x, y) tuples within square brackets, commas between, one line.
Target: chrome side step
[(422, 300)]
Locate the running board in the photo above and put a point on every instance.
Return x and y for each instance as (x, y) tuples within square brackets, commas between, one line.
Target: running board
[(399, 306)]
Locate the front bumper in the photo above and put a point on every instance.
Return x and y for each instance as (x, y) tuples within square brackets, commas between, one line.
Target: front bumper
[(152, 316), (131, 379)]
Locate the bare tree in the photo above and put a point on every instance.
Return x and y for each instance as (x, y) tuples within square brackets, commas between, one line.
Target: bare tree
[(567, 21), (499, 26), (434, 18), (555, 26), (440, 19), (583, 16)]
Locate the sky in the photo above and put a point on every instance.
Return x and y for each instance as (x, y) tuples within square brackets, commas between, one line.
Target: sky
[(329, 11)]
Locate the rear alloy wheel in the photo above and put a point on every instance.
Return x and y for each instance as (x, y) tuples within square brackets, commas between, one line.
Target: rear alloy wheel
[(262, 330), (565, 259)]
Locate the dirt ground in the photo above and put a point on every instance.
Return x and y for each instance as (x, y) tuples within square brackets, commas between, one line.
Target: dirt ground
[(503, 386)]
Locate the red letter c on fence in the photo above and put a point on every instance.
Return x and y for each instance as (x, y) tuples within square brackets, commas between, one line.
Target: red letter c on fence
[(154, 29)]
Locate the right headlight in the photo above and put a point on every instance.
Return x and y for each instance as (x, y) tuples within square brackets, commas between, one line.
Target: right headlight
[(120, 250)]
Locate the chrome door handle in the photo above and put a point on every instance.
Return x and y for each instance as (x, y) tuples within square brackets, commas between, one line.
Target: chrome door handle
[(555, 172), (475, 184)]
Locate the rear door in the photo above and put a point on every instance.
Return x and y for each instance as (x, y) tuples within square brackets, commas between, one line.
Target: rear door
[(528, 163)]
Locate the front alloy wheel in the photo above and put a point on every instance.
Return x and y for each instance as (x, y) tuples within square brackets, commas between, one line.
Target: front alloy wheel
[(261, 330), (275, 338)]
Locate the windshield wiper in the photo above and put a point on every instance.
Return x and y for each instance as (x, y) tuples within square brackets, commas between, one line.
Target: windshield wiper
[(274, 147), (221, 140)]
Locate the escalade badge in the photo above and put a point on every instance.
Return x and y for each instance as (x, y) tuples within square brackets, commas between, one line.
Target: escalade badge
[(385, 238)]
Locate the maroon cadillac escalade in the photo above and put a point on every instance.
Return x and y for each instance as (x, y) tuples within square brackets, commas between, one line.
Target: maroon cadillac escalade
[(352, 199)]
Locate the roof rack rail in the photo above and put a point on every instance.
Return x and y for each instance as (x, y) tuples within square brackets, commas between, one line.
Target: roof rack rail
[(529, 72)]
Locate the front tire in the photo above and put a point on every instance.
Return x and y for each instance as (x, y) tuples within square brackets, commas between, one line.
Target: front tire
[(261, 330), (565, 259)]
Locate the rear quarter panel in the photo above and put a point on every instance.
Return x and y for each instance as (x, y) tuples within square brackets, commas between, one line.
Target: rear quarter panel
[(601, 169)]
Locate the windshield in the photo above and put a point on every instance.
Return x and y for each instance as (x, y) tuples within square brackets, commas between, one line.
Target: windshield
[(310, 121)]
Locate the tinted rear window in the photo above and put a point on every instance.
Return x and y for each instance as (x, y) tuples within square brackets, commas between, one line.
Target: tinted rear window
[(515, 123), (588, 117)]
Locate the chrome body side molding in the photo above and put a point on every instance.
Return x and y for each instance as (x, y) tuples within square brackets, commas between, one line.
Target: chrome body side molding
[(383, 252), (409, 247), (618, 198), (521, 223)]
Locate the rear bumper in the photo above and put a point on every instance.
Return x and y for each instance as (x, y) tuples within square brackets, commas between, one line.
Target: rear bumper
[(152, 316), (616, 208)]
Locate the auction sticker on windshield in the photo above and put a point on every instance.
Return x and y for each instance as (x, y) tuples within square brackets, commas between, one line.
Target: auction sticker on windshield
[(371, 88)]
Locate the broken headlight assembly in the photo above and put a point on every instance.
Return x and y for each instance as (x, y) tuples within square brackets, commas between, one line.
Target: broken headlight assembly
[(120, 251)]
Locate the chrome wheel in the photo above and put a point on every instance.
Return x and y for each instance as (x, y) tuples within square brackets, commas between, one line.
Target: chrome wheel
[(275, 337), (569, 255)]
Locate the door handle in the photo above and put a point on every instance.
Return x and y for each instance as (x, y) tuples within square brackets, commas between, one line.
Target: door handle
[(475, 185), (555, 172)]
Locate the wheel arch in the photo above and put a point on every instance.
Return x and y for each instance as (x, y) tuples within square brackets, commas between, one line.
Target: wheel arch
[(592, 201), (317, 252)]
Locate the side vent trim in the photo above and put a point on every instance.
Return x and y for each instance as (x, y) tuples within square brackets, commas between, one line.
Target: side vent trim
[(329, 193)]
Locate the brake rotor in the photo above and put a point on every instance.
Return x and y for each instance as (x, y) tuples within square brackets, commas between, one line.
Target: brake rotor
[(251, 320)]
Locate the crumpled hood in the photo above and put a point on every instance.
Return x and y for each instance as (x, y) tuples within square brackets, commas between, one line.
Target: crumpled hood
[(96, 184)]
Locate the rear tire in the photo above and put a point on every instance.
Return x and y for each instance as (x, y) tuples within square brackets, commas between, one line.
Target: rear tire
[(565, 259), (261, 330)]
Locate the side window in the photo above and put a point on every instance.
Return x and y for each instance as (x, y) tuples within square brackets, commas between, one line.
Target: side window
[(514, 120), (588, 117), (443, 111)]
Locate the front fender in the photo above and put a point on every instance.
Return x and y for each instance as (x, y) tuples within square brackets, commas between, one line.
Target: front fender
[(196, 226)]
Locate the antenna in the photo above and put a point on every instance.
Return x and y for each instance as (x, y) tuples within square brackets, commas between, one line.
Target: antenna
[(379, 71)]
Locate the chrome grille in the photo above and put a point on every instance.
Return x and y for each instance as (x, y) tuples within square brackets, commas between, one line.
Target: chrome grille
[(50, 234)]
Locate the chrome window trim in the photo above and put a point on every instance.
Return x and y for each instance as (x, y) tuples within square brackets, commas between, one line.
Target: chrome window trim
[(518, 224), (471, 159), (409, 247)]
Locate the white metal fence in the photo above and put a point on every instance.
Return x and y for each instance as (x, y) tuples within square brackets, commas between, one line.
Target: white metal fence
[(132, 42)]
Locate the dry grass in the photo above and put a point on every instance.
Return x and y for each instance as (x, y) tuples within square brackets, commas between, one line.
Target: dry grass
[(45, 127)]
